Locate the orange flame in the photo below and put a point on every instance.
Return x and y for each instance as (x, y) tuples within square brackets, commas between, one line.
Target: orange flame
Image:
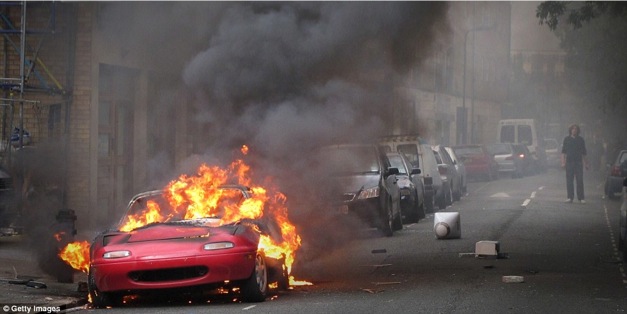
[(76, 254), (59, 236), (199, 196)]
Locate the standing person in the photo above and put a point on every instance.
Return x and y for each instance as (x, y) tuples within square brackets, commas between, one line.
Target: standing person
[(573, 160)]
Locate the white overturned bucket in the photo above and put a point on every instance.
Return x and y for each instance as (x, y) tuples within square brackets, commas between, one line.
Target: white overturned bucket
[(446, 225)]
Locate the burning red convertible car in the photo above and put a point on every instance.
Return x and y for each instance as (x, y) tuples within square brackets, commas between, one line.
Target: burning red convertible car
[(178, 251)]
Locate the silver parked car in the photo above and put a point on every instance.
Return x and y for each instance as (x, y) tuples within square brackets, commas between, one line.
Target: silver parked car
[(453, 177), (411, 188), (509, 157), (459, 165), (420, 155)]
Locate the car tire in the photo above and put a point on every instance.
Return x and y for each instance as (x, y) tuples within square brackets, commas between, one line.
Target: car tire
[(387, 219), (412, 214), (421, 211), (98, 298), (457, 195), (397, 223), (443, 199), (255, 288), (429, 204)]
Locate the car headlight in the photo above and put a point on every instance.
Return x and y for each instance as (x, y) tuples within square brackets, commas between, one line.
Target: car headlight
[(218, 246), (369, 193), (116, 254)]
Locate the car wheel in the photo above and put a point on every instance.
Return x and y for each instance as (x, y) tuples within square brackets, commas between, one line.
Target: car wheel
[(457, 195), (442, 200), (397, 223), (255, 288), (387, 220), (98, 298), (429, 204), (412, 213), (449, 196), (421, 211)]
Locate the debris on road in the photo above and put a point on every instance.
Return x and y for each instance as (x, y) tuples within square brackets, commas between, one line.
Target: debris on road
[(386, 283), (513, 279)]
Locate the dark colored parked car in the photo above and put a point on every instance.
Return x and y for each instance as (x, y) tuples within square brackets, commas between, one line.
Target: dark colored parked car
[(616, 173), (478, 161), (365, 184), (511, 158), (411, 188)]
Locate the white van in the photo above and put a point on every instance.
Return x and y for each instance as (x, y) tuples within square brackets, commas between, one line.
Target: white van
[(523, 131)]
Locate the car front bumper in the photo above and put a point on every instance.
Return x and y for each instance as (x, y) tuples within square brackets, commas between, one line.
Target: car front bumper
[(163, 273)]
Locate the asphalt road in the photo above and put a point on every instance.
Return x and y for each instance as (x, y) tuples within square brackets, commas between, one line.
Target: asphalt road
[(566, 254)]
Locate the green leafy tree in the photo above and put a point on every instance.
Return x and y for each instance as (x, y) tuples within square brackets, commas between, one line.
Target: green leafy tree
[(593, 34)]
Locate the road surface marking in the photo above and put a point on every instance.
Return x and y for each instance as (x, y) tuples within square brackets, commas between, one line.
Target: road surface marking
[(533, 194), (525, 203), (501, 194)]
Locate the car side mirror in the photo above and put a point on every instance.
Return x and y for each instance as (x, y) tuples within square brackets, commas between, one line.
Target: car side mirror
[(392, 171), (415, 171)]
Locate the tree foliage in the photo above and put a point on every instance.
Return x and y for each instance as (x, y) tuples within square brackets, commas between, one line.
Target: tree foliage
[(595, 72), (550, 12)]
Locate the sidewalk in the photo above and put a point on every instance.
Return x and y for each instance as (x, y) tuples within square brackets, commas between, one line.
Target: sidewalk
[(18, 265)]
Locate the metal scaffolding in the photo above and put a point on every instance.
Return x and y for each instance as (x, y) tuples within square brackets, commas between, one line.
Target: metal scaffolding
[(33, 77)]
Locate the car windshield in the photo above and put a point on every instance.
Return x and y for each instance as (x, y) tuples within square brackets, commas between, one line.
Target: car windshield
[(468, 150), (500, 149), (350, 159), (411, 153), (154, 207), (396, 161)]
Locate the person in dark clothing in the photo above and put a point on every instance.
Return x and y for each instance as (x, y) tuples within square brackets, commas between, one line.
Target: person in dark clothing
[(573, 160)]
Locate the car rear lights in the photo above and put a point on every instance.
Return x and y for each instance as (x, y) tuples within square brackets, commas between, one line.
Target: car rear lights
[(116, 254), (218, 246), (369, 193)]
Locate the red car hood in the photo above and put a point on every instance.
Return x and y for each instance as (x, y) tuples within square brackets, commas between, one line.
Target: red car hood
[(164, 232)]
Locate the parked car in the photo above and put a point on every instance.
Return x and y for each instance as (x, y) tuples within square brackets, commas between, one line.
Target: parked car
[(8, 211), (411, 188), (527, 159), (510, 158), (622, 240), (453, 177), (459, 165), (523, 131), (553, 152), (420, 155), (366, 185), (180, 254), (616, 173), (478, 161)]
